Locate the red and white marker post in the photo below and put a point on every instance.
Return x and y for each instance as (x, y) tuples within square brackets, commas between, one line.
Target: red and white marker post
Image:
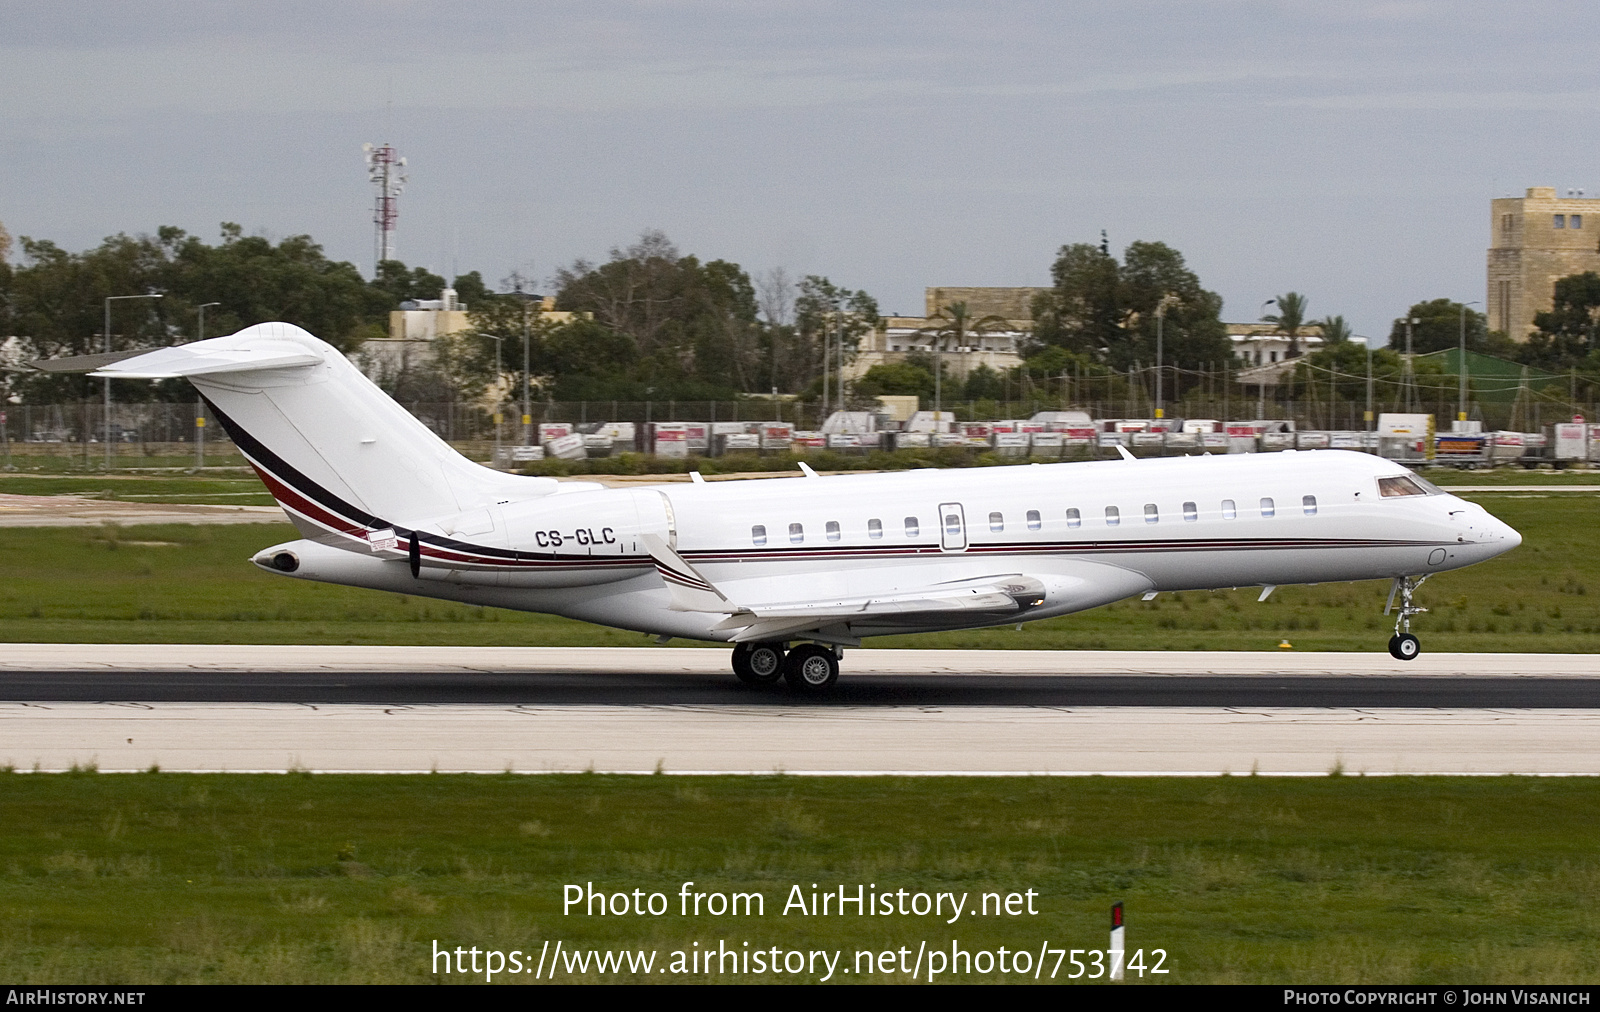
[(1114, 954)]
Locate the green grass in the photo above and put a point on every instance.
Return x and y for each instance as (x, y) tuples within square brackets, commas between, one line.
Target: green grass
[(162, 878), (245, 489), (194, 584), (1444, 476)]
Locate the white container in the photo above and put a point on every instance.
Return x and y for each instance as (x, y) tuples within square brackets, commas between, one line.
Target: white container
[(1572, 441), (1012, 444), (568, 447)]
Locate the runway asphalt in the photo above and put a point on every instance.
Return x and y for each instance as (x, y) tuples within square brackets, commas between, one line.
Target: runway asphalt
[(578, 688), (679, 710), (549, 676)]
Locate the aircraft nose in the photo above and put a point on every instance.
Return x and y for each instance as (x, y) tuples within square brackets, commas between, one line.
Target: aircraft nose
[(1499, 537), (1509, 536)]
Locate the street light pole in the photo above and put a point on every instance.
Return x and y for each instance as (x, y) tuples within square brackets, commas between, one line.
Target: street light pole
[(107, 387), (1367, 343), (499, 402), (527, 381), (1461, 370), (1409, 380), (1261, 381), (1161, 316)]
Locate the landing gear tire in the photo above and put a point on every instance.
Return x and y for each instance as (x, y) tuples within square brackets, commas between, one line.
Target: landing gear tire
[(811, 669), (1404, 647), (758, 663)]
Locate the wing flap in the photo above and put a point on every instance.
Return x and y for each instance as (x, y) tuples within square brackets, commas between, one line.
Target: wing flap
[(990, 594)]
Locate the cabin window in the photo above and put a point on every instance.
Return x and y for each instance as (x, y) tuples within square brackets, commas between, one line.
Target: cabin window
[(1151, 514), (1229, 510), (1191, 512), (1074, 518), (797, 533), (833, 530), (1401, 484), (1034, 520), (1309, 504), (1113, 517), (1267, 506), (912, 527), (997, 522), (874, 529), (758, 534)]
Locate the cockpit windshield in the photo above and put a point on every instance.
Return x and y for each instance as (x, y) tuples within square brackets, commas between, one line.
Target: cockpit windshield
[(1406, 484)]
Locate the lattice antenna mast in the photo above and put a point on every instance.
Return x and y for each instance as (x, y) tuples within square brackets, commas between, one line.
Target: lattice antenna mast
[(386, 170)]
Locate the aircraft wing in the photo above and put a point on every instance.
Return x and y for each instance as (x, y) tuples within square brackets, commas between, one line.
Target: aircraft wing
[(998, 595), (990, 595)]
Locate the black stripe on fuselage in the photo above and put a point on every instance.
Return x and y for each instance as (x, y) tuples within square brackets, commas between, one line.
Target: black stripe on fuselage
[(291, 476)]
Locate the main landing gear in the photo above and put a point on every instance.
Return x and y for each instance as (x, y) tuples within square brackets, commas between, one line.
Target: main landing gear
[(758, 663), (810, 669), (1402, 645)]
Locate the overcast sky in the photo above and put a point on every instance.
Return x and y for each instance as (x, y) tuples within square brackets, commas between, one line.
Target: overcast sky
[(1344, 149)]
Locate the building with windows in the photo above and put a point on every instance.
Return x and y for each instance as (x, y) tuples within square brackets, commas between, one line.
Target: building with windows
[(999, 349), (1535, 240), (1264, 344)]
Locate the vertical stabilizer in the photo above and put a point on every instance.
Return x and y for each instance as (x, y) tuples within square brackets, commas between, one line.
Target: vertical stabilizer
[(338, 453)]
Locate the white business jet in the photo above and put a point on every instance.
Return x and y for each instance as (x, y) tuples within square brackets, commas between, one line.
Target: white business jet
[(791, 571)]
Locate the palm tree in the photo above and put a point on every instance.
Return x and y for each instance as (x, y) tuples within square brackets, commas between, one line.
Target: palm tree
[(1290, 317), (956, 322), (1334, 330)]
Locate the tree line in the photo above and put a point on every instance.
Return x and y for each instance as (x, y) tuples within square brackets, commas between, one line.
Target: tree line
[(653, 323)]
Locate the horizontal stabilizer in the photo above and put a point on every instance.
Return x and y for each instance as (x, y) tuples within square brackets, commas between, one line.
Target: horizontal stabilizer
[(82, 363), (241, 352)]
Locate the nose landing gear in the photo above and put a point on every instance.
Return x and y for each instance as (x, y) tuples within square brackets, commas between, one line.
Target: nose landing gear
[(1403, 645)]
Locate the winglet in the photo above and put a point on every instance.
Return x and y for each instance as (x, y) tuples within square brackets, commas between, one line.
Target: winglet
[(806, 468), (1127, 454), (688, 589)]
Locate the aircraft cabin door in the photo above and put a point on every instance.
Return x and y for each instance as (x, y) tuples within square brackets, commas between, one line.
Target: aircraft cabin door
[(952, 527)]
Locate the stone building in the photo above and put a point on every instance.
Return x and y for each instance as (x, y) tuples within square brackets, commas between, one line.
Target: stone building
[(1000, 349), (1536, 240)]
